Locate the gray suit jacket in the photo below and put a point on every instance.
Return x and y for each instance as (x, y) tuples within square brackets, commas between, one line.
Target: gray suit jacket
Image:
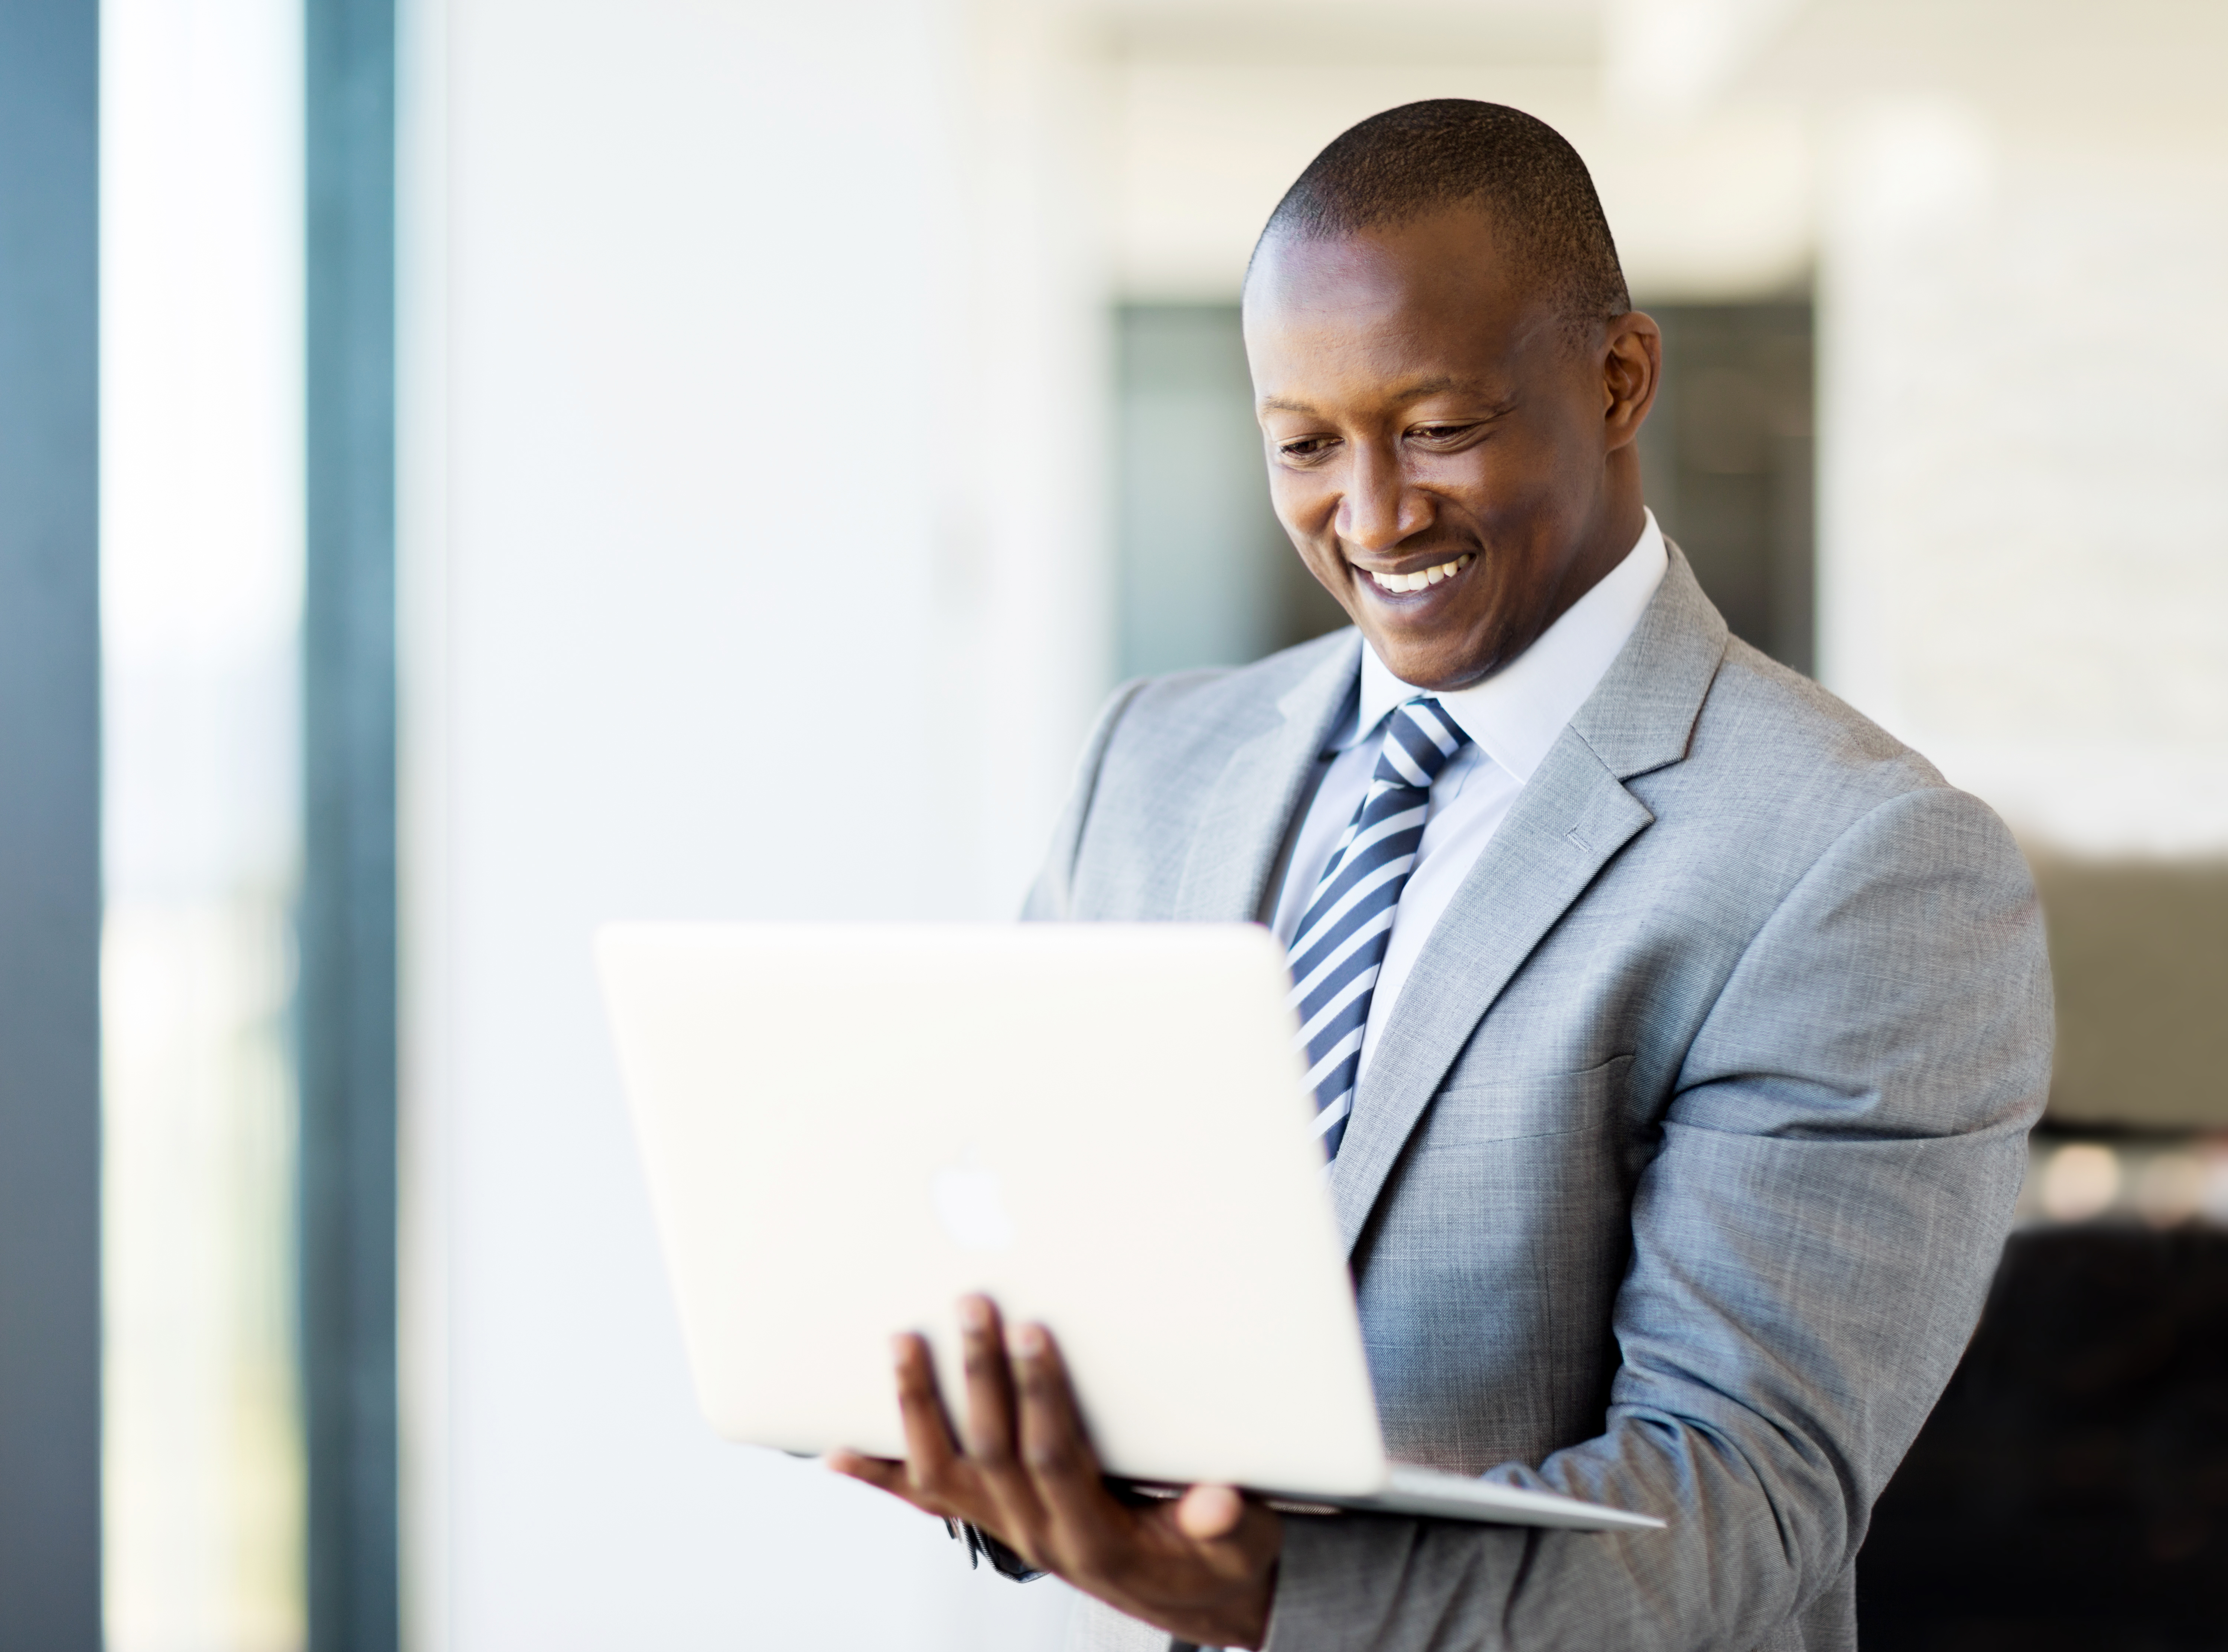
[(1680, 1172)]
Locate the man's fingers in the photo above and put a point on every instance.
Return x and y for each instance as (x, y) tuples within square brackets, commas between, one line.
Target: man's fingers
[(1053, 1441), (992, 1445), (884, 1475), (1028, 1473), (989, 1430), (1086, 1521), (930, 1449), (878, 1471), (1227, 1534), (1209, 1512)]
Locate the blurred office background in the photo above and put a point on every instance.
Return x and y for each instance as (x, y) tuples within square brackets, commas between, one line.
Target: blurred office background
[(525, 430)]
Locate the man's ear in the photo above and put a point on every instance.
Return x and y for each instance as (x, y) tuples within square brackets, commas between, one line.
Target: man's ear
[(1632, 367)]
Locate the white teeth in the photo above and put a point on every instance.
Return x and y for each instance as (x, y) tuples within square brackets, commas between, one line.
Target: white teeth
[(1423, 577)]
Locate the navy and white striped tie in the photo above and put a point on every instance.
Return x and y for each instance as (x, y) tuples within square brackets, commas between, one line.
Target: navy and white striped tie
[(1339, 944)]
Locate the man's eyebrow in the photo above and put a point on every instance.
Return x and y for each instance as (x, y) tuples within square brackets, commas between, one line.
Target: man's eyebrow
[(1500, 402), (1497, 400)]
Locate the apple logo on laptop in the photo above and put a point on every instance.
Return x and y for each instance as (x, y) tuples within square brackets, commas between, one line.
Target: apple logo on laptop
[(969, 1205)]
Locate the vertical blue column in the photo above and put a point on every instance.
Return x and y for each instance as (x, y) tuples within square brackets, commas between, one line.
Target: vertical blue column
[(348, 924), (50, 827)]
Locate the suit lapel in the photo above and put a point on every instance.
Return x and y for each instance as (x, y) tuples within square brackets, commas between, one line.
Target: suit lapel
[(1247, 814), (1563, 829), (1572, 817)]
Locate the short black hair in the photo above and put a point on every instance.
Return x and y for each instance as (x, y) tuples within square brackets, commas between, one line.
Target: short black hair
[(1423, 158)]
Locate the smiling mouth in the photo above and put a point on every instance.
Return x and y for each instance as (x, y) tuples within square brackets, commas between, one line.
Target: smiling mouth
[(1422, 577)]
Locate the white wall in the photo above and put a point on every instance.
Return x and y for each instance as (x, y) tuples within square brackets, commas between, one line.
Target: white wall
[(2024, 483), (1210, 136), (752, 553)]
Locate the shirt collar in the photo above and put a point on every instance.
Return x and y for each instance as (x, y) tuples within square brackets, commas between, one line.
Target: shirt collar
[(1520, 711)]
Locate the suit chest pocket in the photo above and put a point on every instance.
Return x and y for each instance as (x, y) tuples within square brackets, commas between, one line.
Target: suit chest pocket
[(1511, 1109)]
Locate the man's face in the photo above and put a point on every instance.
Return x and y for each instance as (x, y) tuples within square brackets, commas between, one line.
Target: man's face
[(1451, 468)]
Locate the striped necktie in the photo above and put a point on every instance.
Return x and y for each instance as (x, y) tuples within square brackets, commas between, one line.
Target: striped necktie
[(1339, 944)]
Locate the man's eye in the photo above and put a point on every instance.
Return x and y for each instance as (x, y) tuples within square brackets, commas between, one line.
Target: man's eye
[(1442, 432), (1307, 447)]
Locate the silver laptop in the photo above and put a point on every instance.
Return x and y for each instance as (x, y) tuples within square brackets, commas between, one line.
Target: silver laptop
[(1103, 1127)]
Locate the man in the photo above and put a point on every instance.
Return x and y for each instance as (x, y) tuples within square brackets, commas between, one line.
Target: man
[(1676, 1032)]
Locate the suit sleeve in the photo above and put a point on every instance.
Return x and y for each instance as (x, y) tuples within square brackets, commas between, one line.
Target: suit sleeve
[(1812, 1242), (1051, 897)]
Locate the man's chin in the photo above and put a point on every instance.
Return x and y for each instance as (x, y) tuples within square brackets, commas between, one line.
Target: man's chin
[(1438, 665)]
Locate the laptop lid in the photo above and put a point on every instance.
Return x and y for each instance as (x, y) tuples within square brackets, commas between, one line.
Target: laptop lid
[(845, 1127)]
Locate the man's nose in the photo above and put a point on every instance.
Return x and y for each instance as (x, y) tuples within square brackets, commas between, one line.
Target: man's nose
[(1378, 509)]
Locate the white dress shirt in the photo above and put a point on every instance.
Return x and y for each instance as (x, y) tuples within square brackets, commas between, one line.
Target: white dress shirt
[(1513, 717)]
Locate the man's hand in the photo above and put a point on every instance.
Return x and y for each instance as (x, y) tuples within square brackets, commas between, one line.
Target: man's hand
[(1201, 1568)]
